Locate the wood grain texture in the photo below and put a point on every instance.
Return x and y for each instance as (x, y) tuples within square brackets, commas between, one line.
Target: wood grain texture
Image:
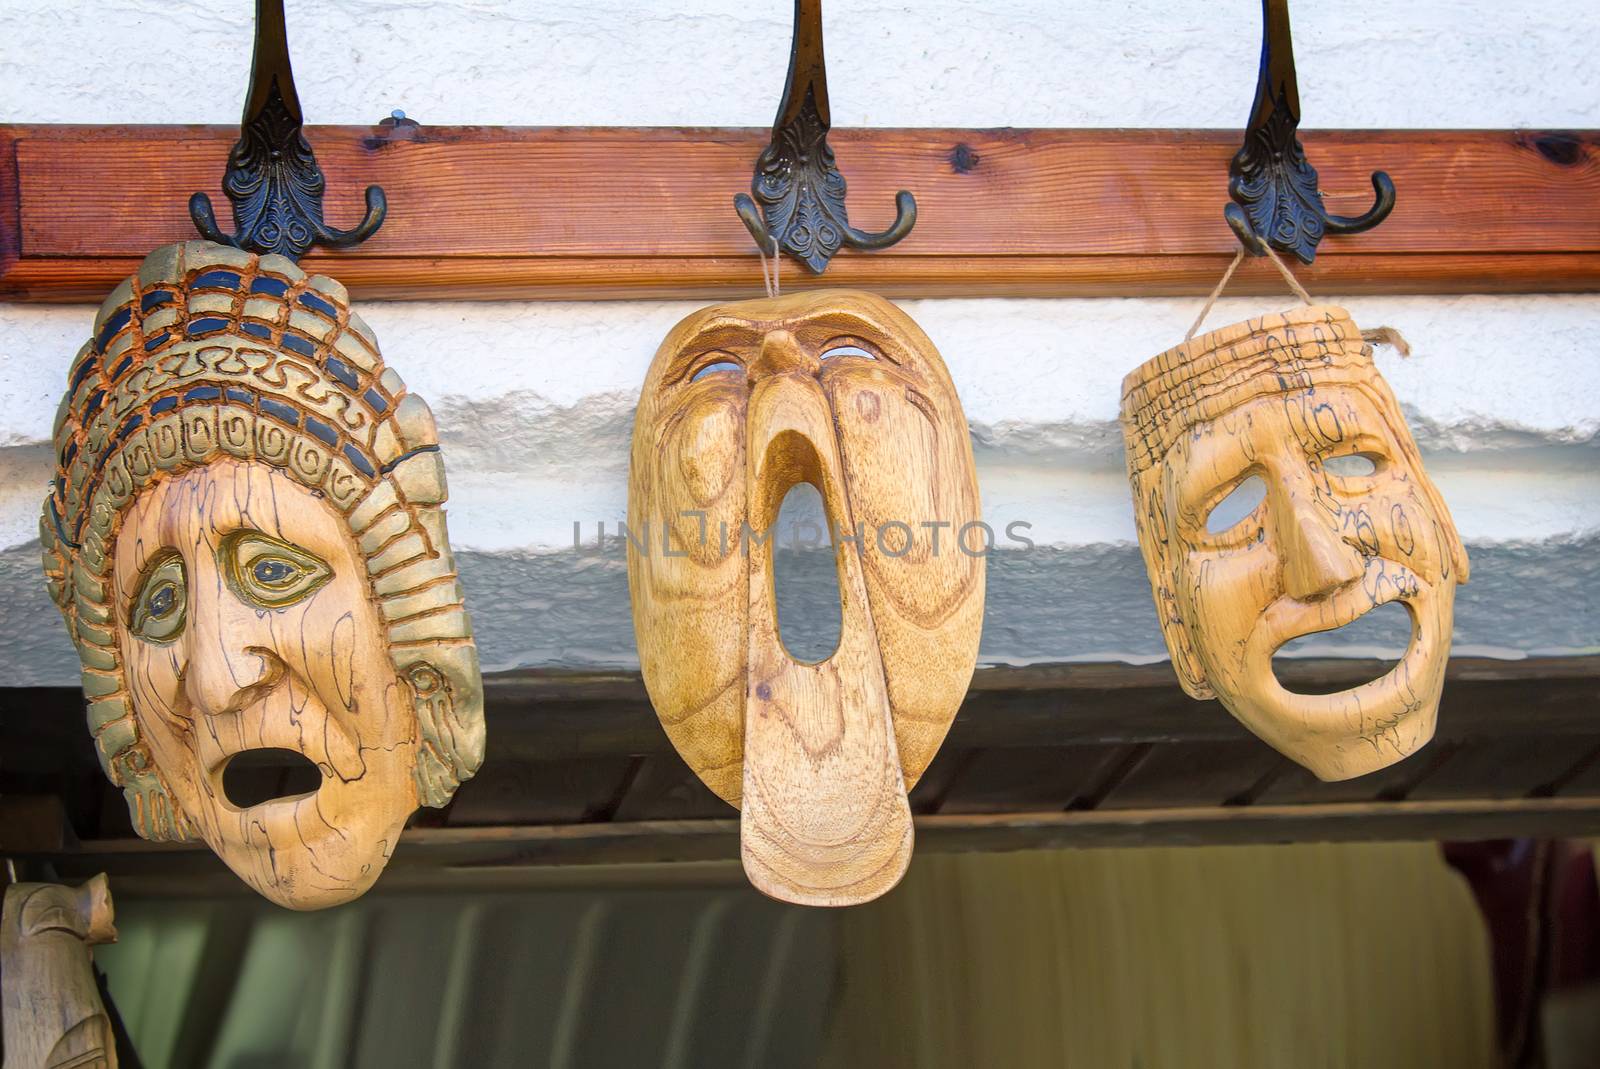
[(496, 212), (246, 542), (53, 1015), (744, 402), (823, 812), (1347, 521)]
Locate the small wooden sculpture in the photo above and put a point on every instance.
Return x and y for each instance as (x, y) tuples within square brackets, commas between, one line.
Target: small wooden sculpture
[(245, 538), (54, 1018), (1289, 398), (743, 402)]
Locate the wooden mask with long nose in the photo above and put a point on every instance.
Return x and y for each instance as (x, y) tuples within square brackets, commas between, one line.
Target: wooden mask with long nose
[(744, 401)]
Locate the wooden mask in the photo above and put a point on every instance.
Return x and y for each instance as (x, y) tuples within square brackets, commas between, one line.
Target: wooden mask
[(743, 402), (54, 1018), (1287, 398), (245, 538)]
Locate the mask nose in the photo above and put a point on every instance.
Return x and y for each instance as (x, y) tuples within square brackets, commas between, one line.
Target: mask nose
[(1317, 560), (781, 353), (824, 817), (222, 640)]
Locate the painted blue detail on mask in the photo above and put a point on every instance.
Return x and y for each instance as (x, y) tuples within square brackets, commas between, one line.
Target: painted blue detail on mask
[(317, 304), (119, 319), (359, 459), (207, 325), (275, 287), (341, 371), (216, 280), (403, 457), (280, 410), (328, 435)]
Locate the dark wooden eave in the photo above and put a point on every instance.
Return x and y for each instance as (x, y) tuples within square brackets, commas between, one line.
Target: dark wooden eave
[(580, 773)]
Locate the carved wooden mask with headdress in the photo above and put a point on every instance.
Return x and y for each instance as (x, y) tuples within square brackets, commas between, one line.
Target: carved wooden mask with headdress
[(246, 540)]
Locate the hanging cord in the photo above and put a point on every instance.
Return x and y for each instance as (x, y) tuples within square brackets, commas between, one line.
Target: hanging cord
[(1288, 276), (1375, 336), (769, 282), (1238, 258)]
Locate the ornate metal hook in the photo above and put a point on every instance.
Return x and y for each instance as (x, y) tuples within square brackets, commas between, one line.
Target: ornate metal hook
[(1274, 189), (800, 191), (273, 179)]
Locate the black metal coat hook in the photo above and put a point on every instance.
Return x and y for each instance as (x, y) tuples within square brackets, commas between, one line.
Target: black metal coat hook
[(1274, 189), (800, 191), (273, 179)]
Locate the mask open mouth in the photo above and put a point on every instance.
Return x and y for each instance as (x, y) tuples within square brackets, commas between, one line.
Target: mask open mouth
[(805, 578), (255, 777), (1378, 640)]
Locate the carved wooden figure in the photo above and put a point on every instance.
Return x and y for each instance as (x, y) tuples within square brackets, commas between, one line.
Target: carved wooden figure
[(246, 540), (54, 1018), (1349, 522), (743, 402)]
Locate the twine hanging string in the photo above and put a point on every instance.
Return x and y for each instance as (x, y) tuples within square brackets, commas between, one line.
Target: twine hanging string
[(1288, 276), (1216, 291), (1375, 336), (769, 282)]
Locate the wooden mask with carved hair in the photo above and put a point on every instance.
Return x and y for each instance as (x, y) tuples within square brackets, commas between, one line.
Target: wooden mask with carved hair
[(1350, 521)]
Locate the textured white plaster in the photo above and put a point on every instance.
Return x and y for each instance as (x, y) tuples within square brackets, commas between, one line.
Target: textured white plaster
[(535, 401), (1362, 63), (535, 405), (1035, 376)]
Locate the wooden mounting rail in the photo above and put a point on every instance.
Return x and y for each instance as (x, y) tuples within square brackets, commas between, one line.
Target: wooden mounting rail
[(579, 773), (568, 213), (468, 857)]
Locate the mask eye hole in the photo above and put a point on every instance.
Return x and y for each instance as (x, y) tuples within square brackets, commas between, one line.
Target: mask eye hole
[(1353, 465), (717, 363), (849, 346), (270, 573), (717, 368), (1239, 504), (160, 607)]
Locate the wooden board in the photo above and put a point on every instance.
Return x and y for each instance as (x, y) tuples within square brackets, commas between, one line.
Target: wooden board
[(1039, 756), (1028, 778), (564, 213), (468, 855), (1202, 773)]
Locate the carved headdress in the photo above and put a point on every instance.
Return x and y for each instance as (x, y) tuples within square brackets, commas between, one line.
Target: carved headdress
[(210, 353)]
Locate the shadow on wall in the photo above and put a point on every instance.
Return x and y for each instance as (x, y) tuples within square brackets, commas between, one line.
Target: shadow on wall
[(1043, 605), (1238, 957)]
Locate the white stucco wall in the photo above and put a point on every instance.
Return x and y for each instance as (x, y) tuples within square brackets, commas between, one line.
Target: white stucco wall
[(1429, 63), (535, 400)]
